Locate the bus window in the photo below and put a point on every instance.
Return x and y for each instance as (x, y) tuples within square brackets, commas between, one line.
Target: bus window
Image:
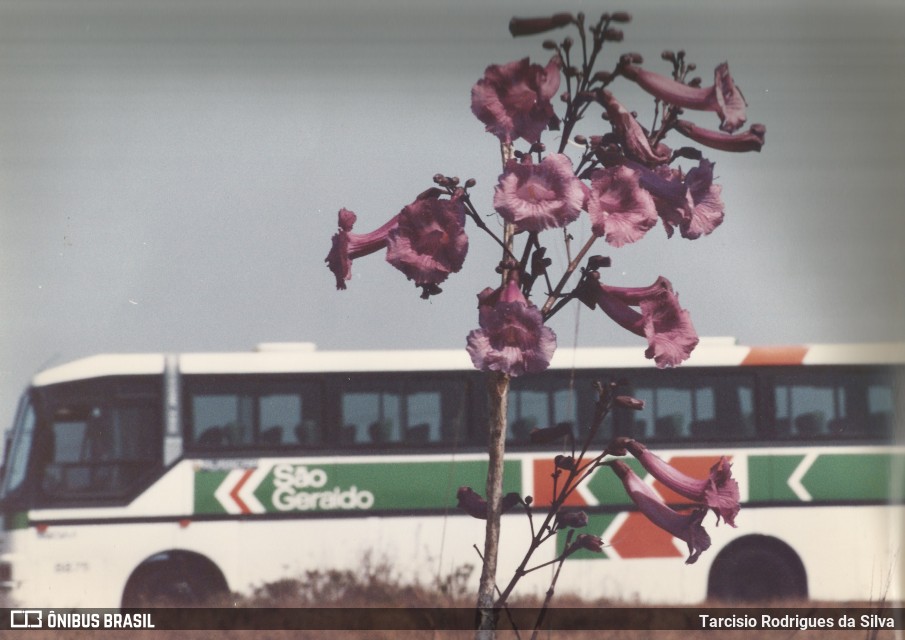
[(98, 448), (21, 447), (832, 403), (256, 413), (281, 419), (222, 420), (401, 411), (688, 405), (538, 402)]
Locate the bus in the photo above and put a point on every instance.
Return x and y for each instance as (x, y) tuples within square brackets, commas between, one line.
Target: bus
[(135, 477)]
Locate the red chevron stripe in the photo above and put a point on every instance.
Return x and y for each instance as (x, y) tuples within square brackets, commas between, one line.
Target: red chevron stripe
[(234, 494)]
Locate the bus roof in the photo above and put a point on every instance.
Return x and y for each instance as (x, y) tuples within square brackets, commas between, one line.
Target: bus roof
[(304, 358)]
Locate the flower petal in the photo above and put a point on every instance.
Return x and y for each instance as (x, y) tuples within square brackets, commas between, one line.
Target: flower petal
[(512, 337), (535, 197), (513, 100), (619, 208), (429, 241)]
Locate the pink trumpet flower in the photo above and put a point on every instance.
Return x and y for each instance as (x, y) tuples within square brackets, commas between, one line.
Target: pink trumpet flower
[(620, 210), (534, 197), (637, 145), (512, 337), (670, 335), (513, 99), (686, 527), (690, 202), (751, 140), (429, 242), (723, 96), (347, 245), (719, 491)]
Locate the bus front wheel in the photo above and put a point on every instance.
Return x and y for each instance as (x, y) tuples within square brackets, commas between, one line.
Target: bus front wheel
[(174, 579), (757, 568)]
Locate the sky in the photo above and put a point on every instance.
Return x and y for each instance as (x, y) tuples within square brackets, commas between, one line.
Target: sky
[(171, 171)]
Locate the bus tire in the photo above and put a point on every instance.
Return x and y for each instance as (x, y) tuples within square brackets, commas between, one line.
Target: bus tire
[(756, 568), (177, 578)]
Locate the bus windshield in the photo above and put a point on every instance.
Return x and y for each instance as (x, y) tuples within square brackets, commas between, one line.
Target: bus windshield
[(20, 446), (85, 441)]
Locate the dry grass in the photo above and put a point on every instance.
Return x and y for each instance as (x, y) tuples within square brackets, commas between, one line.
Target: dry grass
[(375, 585)]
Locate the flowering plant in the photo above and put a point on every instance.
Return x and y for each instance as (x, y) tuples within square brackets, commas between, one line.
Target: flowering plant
[(625, 179)]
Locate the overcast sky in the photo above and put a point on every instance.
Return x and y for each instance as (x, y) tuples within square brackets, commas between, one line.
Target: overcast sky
[(170, 172)]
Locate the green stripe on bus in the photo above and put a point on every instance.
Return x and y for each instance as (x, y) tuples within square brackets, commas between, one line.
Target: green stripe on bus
[(206, 483), (768, 477), (299, 486), (826, 477), (850, 477), (15, 520)]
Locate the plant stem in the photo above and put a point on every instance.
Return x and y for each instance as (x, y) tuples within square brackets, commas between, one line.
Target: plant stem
[(573, 264), (498, 396)]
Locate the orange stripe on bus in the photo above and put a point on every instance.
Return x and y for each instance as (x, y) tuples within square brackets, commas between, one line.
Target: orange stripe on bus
[(638, 537), (775, 355), (234, 494), (543, 485)]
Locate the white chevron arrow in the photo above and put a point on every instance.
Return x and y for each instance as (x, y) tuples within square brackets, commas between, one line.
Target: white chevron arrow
[(795, 479), (223, 491), (247, 492)]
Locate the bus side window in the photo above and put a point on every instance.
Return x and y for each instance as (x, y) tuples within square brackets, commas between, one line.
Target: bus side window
[(222, 419), (279, 416), (401, 412), (688, 405), (541, 402), (833, 403)]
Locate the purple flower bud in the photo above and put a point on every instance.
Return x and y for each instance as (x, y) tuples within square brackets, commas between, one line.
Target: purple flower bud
[(510, 500), (532, 26), (628, 402), (599, 262), (613, 35), (588, 542), (602, 76), (550, 434), (573, 519), (472, 503), (564, 462), (621, 16)]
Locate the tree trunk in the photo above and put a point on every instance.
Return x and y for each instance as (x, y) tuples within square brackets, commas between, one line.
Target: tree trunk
[(498, 396)]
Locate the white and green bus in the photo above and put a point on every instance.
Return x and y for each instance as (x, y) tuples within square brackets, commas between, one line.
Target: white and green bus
[(129, 477)]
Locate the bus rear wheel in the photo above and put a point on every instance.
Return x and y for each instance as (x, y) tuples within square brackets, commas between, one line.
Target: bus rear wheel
[(757, 568), (177, 579)]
